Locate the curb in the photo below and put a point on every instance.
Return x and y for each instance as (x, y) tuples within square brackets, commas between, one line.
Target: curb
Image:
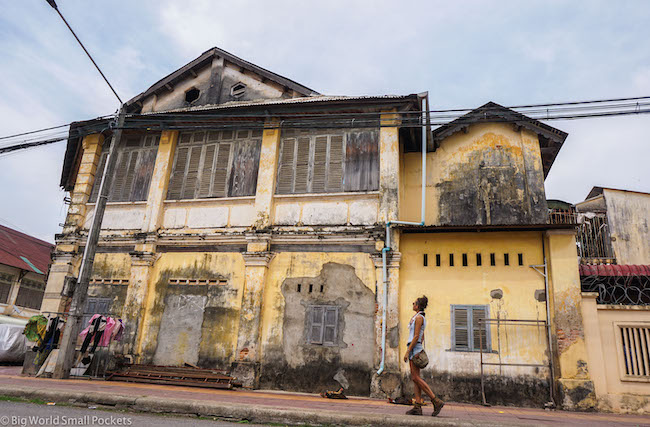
[(234, 412)]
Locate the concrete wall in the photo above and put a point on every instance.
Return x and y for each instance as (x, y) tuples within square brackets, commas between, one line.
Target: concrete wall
[(490, 175), (629, 224), (615, 389), (326, 209), (456, 374)]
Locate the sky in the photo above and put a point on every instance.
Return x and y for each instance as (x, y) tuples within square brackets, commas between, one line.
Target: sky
[(464, 53)]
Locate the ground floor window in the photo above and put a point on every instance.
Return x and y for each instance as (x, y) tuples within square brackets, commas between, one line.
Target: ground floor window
[(466, 333), (5, 286), (30, 294), (322, 324)]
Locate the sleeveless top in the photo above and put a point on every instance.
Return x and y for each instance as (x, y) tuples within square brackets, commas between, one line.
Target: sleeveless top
[(412, 327)]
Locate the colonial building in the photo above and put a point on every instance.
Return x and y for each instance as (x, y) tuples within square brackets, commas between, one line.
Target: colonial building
[(251, 226)]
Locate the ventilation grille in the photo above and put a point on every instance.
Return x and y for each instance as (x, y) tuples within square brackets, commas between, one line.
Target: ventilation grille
[(636, 350)]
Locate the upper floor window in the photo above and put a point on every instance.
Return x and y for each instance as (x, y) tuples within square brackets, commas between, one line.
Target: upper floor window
[(135, 160), (329, 160), (215, 164), (30, 294)]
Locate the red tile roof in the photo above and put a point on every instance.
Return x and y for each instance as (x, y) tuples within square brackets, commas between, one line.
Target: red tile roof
[(22, 251), (614, 270)]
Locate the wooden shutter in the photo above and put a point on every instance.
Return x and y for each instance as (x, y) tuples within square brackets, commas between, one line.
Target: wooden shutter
[(130, 175), (178, 174), (192, 173), (286, 166), (246, 161), (319, 168), (207, 165), (143, 173), (220, 188), (461, 337), (301, 181), (362, 161), (98, 177), (119, 178), (316, 325), (330, 325), (478, 332), (335, 164)]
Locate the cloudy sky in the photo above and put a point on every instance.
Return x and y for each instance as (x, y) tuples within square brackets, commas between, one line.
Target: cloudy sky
[(464, 53)]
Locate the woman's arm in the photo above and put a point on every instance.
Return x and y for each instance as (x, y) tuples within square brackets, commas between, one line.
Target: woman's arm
[(416, 336)]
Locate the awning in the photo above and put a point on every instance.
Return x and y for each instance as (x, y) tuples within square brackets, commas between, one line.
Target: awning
[(614, 270)]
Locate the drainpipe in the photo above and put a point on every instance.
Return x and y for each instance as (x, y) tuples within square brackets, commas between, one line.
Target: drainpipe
[(548, 322), (387, 248)]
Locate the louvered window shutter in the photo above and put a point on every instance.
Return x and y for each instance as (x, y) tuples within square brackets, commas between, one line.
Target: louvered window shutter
[(286, 166), (130, 175), (144, 171), (316, 325), (461, 330), (98, 177), (320, 165), (479, 331), (330, 325), (205, 186), (335, 164), (192, 173), (119, 178), (178, 174), (302, 165), (222, 167)]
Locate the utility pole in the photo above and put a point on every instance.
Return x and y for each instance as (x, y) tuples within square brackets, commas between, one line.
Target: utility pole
[(68, 342)]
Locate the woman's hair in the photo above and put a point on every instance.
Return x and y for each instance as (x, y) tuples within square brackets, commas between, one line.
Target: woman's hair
[(422, 302)]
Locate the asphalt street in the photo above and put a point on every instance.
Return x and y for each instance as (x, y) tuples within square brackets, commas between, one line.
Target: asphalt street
[(30, 414)]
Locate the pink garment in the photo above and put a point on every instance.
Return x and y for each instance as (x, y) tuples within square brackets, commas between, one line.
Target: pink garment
[(108, 330)]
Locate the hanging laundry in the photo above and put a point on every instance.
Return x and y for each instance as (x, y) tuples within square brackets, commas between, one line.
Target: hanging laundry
[(36, 328)]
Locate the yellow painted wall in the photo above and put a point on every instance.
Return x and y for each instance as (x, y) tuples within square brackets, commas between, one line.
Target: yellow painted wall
[(465, 150), (471, 285)]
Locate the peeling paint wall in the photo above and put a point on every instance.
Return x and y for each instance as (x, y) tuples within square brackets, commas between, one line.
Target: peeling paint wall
[(455, 374), (332, 209), (629, 224), (491, 175), (289, 362)]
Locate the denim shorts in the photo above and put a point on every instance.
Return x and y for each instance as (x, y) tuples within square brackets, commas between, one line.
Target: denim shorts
[(416, 349)]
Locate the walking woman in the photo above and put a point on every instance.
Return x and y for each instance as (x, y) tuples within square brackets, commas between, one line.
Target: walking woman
[(416, 335)]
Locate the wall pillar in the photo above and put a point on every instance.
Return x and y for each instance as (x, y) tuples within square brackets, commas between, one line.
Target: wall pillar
[(594, 344), (92, 150), (15, 287), (160, 181), (389, 161), (65, 263), (248, 354), (390, 381), (266, 176), (576, 390)]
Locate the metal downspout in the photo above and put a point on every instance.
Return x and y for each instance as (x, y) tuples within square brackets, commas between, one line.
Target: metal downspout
[(548, 322), (387, 248)]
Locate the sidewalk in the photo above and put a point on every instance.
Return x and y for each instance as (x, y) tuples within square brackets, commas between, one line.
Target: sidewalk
[(281, 407)]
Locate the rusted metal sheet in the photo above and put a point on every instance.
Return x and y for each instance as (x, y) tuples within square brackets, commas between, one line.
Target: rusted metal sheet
[(614, 270), (175, 375)]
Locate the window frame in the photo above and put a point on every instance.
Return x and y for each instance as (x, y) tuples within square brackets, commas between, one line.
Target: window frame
[(323, 324), (471, 345)]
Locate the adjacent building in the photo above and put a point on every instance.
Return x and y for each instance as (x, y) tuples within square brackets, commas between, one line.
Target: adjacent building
[(24, 263), (251, 220)]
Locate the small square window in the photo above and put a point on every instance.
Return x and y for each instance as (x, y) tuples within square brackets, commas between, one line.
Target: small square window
[(425, 260), (438, 262), (479, 260), (521, 259), (464, 260), (506, 259), (493, 260), (451, 260)]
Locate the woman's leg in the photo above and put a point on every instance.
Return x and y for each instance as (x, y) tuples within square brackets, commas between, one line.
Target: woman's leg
[(420, 384), (415, 373)]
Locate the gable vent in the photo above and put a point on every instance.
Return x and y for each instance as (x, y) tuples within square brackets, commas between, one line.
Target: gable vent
[(238, 90)]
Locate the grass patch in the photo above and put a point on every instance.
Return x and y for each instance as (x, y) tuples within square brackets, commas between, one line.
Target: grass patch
[(4, 398)]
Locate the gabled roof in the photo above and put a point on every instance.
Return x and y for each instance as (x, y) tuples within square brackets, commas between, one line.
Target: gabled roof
[(205, 59), (551, 139), (597, 191), (23, 251)]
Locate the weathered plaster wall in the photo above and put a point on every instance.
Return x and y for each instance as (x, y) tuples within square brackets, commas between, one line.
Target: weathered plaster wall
[(629, 224), (455, 374), (111, 266), (212, 310), (209, 213), (119, 216), (327, 209), (615, 390), (288, 361), (491, 175), (255, 88)]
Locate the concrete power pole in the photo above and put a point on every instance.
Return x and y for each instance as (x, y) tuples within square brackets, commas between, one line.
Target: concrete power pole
[(80, 292)]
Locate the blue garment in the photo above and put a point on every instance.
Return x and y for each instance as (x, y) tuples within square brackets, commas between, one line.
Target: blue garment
[(418, 345)]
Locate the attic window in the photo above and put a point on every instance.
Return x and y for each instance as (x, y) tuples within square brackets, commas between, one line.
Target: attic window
[(238, 90), (192, 95)]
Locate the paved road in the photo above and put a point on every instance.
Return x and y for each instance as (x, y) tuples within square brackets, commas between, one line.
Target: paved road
[(30, 414)]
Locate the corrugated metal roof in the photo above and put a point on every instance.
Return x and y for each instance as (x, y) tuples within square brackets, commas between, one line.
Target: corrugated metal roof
[(614, 270), (287, 101), (22, 251)]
